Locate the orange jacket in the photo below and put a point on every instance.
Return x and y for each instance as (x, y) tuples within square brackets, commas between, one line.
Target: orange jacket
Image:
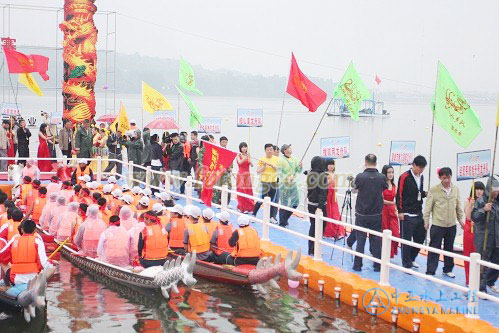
[(155, 242), (38, 203), (177, 232), (25, 255), (224, 232), (13, 229), (211, 226), (248, 245), (198, 238)]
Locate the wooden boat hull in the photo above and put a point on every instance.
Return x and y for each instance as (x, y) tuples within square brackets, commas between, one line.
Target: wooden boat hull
[(236, 275)]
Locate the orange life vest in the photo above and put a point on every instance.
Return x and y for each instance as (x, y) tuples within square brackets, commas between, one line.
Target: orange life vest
[(26, 190), (248, 245), (198, 238), (177, 232), (39, 203), (155, 242), (224, 232), (12, 229), (106, 215), (187, 149), (25, 255), (163, 220), (211, 226), (81, 173)]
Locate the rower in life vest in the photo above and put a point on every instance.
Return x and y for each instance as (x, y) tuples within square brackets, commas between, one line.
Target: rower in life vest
[(55, 213), (26, 255), (246, 243), (141, 207), (136, 195), (54, 186), (114, 244), (134, 234), (67, 190), (153, 242), (104, 213), (76, 194), (162, 213), (89, 232), (220, 239), (211, 225), (106, 192), (49, 205), (112, 180), (115, 202), (127, 220), (11, 228), (176, 229), (82, 170), (82, 216), (35, 207), (196, 235), (25, 190), (66, 223)]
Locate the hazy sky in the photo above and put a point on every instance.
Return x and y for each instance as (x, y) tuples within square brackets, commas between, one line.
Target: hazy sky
[(396, 39)]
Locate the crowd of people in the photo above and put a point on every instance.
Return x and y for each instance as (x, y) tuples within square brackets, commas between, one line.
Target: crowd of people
[(382, 202)]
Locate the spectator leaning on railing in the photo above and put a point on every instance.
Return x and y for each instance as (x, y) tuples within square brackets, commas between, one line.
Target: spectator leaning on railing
[(444, 205)]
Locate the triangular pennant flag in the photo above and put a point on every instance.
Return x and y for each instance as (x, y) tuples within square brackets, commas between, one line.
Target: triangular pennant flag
[(29, 81), (152, 100), (121, 123), (196, 118), (377, 80), (352, 91), (452, 111), (186, 77)]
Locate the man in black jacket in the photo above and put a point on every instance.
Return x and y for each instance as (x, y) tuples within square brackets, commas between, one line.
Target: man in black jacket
[(317, 185), (409, 200), (23, 135), (175, 151), (369, 185), (114, 144)]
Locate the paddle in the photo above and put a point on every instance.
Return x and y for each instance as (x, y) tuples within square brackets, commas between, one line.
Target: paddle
[(60, 247)]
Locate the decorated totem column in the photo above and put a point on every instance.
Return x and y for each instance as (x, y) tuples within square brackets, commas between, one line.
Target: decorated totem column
[(80, 60)]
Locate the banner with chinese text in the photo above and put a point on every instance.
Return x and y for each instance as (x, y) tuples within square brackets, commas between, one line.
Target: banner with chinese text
[(402, 152), (249, 117), (335, 147), (211, 125), (473, 164)]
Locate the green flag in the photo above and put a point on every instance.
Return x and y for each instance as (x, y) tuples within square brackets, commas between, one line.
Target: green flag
[(352, 91), (186, 77), (452, 112), (196, 117)]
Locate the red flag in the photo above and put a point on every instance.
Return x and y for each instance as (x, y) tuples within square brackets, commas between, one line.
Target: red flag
[(215, 161), (26, 63), (300, 87), (377, 80)]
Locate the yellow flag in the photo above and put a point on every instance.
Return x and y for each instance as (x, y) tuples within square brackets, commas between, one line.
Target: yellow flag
[(121, 122), (29, 81), (152, 100)]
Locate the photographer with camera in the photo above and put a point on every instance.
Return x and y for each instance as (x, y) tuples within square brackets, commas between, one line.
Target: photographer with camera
[(114, 144), (369, 185)]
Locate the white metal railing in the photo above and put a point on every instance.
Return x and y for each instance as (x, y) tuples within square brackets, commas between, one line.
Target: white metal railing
[(386, 236)]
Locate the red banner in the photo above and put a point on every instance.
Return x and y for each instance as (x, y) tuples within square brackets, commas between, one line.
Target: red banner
[(216, 160), (26, 63)]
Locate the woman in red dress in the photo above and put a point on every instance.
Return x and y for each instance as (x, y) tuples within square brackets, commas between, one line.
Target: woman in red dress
[(244, 205), (389, 216), (468, 241), (43, 149), (332, 230), (11, 151)]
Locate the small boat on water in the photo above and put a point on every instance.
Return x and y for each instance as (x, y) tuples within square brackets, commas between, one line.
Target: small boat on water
[(370, 108)]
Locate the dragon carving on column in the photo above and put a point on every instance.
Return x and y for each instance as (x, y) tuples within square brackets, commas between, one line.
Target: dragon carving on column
[(80, 60)]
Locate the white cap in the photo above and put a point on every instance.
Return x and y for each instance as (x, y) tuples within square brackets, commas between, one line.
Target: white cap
[(208, 213), (90, 185), (194, 211), (85, 178), (107, 188), (82, 161), (95, 184), (111, 180), (165, 196), (125, 187), (243, 220), (223, 216), (126, 198), (133, 121), (117, 193), (147, 191), (144, 201), (158, 208), (176, 209), (136, 190)]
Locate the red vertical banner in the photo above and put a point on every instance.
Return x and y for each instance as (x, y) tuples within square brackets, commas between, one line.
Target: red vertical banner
[(216, 160)]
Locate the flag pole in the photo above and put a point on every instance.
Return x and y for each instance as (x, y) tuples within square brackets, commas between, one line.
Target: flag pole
[(316, 129), (490, 186), (431, 149), (280, 120)]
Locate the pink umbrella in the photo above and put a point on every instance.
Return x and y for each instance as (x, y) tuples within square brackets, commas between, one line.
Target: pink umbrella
[(107, 118), (162, 124)]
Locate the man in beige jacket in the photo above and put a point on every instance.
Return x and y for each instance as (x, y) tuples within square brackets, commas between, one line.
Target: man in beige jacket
[(444, 205)]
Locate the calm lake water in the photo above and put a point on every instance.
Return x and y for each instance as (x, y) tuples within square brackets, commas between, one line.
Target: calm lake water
[(77, 302)]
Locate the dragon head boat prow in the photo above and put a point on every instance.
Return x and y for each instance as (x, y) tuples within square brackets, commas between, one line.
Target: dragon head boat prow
[(172, 272)]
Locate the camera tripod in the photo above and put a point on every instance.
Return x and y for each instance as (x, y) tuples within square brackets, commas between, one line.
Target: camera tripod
[(347, 208)]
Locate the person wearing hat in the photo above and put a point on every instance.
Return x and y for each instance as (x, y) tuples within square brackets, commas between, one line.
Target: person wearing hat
[(115, 201), (166, 199), (220, 238), (125, 188), (114, 244), (246, 244), (67, 221), (83, 140), (127, 219), (175, 153), (112, 180), (176, 229), (487, 228), (127, 199), (137, 194), (141, 207), (153, 242), (88, 235), (207, 220), (196, 236), (81, 171), (288, 169), (160, 211), (55, 213), (106, 192)]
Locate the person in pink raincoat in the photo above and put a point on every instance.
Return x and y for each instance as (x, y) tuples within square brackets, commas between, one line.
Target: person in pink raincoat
[(126, 218), (89, 232), (44, 217), (114, 244), (67, 222), (55, 213)]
